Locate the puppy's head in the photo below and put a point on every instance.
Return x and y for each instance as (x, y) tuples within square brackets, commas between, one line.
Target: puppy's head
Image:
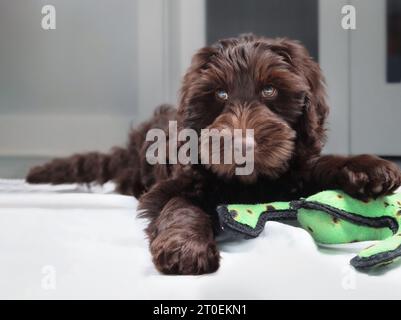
[(269, 85)]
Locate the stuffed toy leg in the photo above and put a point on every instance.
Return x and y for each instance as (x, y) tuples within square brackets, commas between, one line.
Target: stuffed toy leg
[(331, 217)]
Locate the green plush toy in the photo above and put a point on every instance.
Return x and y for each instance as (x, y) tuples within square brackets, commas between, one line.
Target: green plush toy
[(331, 217)]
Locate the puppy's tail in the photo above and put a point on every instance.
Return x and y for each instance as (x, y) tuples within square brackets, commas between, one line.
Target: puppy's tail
[(82, 168)]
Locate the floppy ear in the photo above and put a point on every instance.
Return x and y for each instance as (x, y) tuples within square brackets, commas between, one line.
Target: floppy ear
[(311, 125), (199, 61), (188, 114)]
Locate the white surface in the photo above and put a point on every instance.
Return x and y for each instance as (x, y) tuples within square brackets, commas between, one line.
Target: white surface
[(93, 246)]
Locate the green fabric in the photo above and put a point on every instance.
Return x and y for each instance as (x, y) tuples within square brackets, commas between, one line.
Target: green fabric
[(328, 230), (333, 217), (383, 206), (249, 214), (389, 244)]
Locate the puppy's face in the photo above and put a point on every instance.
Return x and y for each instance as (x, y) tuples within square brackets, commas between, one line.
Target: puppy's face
[(270, 86)]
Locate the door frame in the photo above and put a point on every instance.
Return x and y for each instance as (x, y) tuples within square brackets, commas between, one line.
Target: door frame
[(162, 62), (334, 60)]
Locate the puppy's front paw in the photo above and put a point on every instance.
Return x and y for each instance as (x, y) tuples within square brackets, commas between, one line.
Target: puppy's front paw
[(179, 252), (367, 176)]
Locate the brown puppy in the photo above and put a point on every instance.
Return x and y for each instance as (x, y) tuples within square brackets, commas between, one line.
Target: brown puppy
[(269, 85)]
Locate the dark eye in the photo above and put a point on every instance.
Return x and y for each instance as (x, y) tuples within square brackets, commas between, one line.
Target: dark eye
[(269, 92), (222, 95)]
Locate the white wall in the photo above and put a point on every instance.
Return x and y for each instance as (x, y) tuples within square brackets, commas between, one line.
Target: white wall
[(334, 61)]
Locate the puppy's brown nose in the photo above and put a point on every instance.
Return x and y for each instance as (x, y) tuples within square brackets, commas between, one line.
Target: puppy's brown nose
[(244, 145)]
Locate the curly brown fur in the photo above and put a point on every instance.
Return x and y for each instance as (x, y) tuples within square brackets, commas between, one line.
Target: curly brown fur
[(180, 200)]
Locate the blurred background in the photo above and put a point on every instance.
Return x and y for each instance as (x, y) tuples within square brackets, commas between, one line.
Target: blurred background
[(108, 64)]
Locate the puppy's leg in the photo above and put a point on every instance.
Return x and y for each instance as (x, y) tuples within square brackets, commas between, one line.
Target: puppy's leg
[(182, 240), (361, 176)]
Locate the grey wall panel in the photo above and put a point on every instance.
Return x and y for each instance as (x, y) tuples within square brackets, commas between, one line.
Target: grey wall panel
[(87, 65), (273, 18), (375, 103)]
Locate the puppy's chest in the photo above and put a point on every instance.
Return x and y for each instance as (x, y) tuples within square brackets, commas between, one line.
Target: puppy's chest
[(256, 193)]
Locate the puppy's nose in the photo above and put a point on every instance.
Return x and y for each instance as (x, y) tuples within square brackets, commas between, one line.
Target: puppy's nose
[(245, 145)]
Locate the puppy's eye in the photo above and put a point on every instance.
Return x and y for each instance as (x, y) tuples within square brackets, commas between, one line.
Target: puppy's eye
[(269, 92), (222, 95)]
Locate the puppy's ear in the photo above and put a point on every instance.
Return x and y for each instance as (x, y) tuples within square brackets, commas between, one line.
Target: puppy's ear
[(190, 87), (311, 126)]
